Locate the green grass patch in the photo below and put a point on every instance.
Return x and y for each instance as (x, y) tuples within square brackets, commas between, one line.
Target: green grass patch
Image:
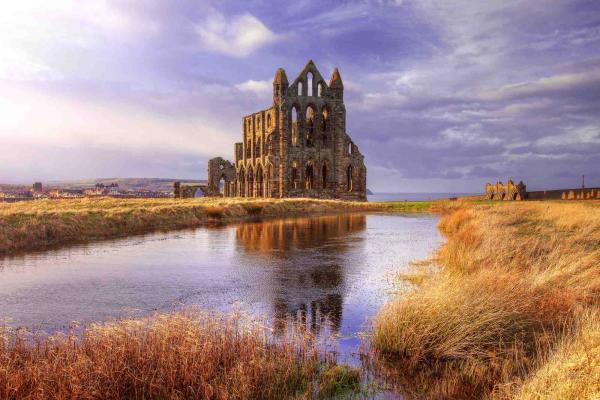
[(339, 380), (408, 206)]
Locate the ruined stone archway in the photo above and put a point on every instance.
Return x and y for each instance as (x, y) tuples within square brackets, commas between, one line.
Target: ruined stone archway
[(259, 182), (199, 193), (350, 178), (309, 175), (241, 182), (324, 174), (220, 170), (250, 183), (268, 180)]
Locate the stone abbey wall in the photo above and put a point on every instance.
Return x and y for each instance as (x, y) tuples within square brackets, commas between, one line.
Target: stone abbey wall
[(510, 191), (298, 147), (565, 194)]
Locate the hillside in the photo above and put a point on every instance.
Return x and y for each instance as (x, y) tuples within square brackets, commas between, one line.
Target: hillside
[(124, 183)]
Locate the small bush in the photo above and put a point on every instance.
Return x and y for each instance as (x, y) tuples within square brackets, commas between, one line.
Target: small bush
[(215, 212), (338, 380)]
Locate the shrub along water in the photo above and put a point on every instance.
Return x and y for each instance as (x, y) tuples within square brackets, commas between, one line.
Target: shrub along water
[(38, 224), (35, 225), (512, 299), (186, 355)]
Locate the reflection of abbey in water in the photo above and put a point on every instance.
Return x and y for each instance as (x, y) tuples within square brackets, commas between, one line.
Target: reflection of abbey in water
[(312, 287)]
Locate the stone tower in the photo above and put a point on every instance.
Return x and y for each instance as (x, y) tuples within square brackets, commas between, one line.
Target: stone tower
[(299, 146)]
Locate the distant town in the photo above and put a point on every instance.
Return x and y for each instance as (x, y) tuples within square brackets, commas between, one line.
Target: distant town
[(117, 188)]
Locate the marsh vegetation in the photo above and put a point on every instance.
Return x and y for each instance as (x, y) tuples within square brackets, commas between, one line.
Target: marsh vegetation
[(512, 312), (40, 224), (507, 308), (185, 355)]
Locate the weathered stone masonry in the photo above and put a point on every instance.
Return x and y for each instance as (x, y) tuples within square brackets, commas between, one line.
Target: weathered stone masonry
[(510, 191), (296, 148)]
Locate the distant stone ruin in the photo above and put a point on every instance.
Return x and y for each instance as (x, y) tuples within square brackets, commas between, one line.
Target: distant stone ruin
[(187, 191), (221, 178), (566, 194), (510, 191)]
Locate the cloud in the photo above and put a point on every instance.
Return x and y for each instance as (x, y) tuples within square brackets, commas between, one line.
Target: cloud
[(238, 36), (440, 96), (260, 88), (55, 120), (34, 34), (547, 85)]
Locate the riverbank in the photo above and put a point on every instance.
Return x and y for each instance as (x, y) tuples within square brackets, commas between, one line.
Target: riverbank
[(37, 225), (512, 312), (186, 355)]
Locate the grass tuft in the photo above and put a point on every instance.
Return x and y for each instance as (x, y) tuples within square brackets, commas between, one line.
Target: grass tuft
[(339, 380), (186, 355), (515, 281)]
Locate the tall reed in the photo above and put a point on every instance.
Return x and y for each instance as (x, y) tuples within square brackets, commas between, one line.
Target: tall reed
[(186, 355), (514, 280), (39, 224)]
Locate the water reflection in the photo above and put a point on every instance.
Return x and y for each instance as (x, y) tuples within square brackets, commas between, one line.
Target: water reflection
[(310, 256), (328, 268), (280, 237)]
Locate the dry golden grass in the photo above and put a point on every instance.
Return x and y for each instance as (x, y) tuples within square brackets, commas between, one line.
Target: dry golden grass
[(188, 355), (40, 224), (514, 282), (573, 371)]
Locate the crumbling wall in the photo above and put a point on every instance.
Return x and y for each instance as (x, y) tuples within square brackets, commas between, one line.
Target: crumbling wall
[(509, 192), (220, 170), (189, 191), (566, 194)]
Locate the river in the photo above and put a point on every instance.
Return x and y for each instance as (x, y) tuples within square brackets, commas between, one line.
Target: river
[(336, 268)]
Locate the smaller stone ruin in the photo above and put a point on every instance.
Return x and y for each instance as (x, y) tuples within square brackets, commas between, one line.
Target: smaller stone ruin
[(510, 191), (221, 177)]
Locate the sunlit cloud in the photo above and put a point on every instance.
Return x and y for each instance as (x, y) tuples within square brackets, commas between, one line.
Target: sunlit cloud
[(58, 121), (237, 36), (260, 88)]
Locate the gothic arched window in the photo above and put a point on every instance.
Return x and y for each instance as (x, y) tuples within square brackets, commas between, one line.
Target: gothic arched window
[(324, 125), (295, 126), (320, 89), (349, 177), (294, 175), (310, 126), (309, 175)]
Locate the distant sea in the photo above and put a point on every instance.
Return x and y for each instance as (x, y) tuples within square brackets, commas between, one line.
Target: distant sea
[(414, 196)]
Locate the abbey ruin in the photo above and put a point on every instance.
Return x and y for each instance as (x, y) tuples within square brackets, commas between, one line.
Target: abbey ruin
[(510, 191), (298, 147)]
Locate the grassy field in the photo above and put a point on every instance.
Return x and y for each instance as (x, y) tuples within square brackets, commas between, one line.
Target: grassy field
[(512, 312), (40, 224), (507, 308), (187, 355)]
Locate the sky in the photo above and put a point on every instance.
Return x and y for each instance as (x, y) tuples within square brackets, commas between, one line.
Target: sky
[(441, 96)]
